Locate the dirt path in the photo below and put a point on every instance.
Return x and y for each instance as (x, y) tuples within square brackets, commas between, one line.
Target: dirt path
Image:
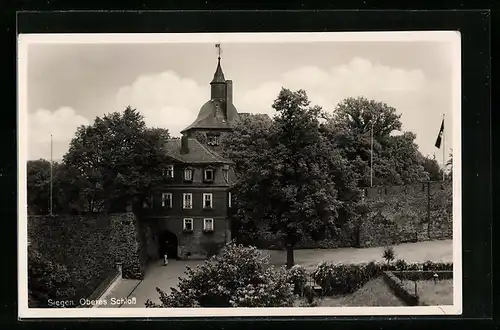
[(410, 252)]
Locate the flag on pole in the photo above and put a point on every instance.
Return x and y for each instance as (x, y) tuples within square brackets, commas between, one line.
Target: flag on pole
[(440, 136)]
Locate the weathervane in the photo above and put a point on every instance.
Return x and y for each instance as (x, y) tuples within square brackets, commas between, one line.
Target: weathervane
[(218, 49)]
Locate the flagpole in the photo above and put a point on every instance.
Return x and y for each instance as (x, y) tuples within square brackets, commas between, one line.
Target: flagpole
[(50, 174), (444, 150), (371, 155)]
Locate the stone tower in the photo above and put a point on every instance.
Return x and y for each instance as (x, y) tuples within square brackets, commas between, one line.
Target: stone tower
[(217, 116)]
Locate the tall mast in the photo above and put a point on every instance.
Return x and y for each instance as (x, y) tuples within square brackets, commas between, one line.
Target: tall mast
[(50, 207)]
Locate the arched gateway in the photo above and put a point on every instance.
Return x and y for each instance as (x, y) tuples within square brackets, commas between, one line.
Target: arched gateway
[(167, 243)]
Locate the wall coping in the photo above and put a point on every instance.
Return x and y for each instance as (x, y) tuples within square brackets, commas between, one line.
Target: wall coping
[(107, 285)]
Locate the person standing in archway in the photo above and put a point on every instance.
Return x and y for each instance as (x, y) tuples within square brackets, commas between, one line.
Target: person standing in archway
[(165, 257)]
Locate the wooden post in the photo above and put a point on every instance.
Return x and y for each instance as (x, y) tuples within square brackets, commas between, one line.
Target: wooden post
[(429, 209)]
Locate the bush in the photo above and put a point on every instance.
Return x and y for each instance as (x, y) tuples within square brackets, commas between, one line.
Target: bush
[(238, 277), (297, 276), (47, 280), (344, 279), (309, 294), (389, 254), (400, 264)]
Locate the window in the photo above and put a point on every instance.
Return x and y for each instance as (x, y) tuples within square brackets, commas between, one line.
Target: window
[(209, 174), (188, 174), (208, 224), (187, 201), (213, 140), (166, 200), (207, 201), (169, 171), (229, 199), (187, 224)]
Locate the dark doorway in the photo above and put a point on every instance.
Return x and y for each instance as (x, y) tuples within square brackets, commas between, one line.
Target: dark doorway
[(167, 243)]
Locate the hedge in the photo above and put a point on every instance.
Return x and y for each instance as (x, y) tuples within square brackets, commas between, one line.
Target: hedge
[(400, 290), (347, 278)]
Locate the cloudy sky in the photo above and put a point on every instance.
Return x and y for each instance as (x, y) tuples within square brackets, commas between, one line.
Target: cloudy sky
[(70, 84)]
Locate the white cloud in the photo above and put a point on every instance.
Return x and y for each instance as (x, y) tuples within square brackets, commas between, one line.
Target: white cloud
[(359, 77), (170, 101), (166, 100), (409, 91), (61, 123)]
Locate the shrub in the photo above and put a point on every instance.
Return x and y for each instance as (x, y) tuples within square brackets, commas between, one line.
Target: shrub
[(297, 275), (400, 264), (389, 254), (309, 294), (343, 279), (47, 280), (238, 277)]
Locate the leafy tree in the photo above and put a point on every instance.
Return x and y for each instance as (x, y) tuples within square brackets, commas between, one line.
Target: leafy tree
[(115, 160), (399, 156), (247, 140), (238, 277), (243, 146), (396, 159), (38, 186), (389, 254), (431, 166), (449, 166), (293, 177), (357, 115)]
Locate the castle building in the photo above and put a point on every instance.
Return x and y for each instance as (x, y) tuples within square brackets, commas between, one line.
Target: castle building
[(189, 217)]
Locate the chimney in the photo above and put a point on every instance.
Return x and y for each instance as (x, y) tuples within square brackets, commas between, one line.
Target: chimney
[(229, 97), (184, 144)]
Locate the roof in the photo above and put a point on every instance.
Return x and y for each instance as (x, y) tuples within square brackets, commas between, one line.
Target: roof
[(218, 75), (198, 153), (211, 116)]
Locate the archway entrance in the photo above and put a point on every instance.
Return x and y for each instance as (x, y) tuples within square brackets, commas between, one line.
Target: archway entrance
[(167, 243)]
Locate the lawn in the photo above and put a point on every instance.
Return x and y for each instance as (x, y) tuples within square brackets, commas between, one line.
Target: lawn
[(373, 293), (437, 251), (432, 294)]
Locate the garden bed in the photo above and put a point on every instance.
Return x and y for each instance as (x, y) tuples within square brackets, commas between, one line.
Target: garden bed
[(432, 293), (374, 293)]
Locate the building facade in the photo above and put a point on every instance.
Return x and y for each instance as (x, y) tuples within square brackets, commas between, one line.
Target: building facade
[(189, 219)]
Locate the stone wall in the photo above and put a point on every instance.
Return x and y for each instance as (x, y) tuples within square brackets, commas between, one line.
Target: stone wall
[(197, 245), (89, 246), (390, 215), (125, 245), (402, 214)]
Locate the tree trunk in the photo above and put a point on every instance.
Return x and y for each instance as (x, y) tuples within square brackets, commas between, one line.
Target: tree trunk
[(289, 256)]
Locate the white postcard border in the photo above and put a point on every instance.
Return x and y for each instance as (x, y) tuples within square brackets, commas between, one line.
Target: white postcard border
[(451, 37)]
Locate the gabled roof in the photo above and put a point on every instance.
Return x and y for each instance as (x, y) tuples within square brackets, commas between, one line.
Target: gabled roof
[(198, 153)]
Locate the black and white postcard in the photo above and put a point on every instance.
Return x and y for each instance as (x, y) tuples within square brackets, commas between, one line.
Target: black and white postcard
[(254, 174)]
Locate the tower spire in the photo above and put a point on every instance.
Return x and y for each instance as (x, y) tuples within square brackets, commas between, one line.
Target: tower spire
[(218, 75)]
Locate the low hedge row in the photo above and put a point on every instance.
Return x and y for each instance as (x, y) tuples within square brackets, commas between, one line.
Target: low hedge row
[(400, 290), (344, 279), (423, 275)]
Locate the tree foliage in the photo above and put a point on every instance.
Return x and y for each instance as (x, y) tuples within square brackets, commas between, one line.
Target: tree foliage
[(431, 166), (238, 277), (115, 160), (394, 159), (290, 174), (47, 279)]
